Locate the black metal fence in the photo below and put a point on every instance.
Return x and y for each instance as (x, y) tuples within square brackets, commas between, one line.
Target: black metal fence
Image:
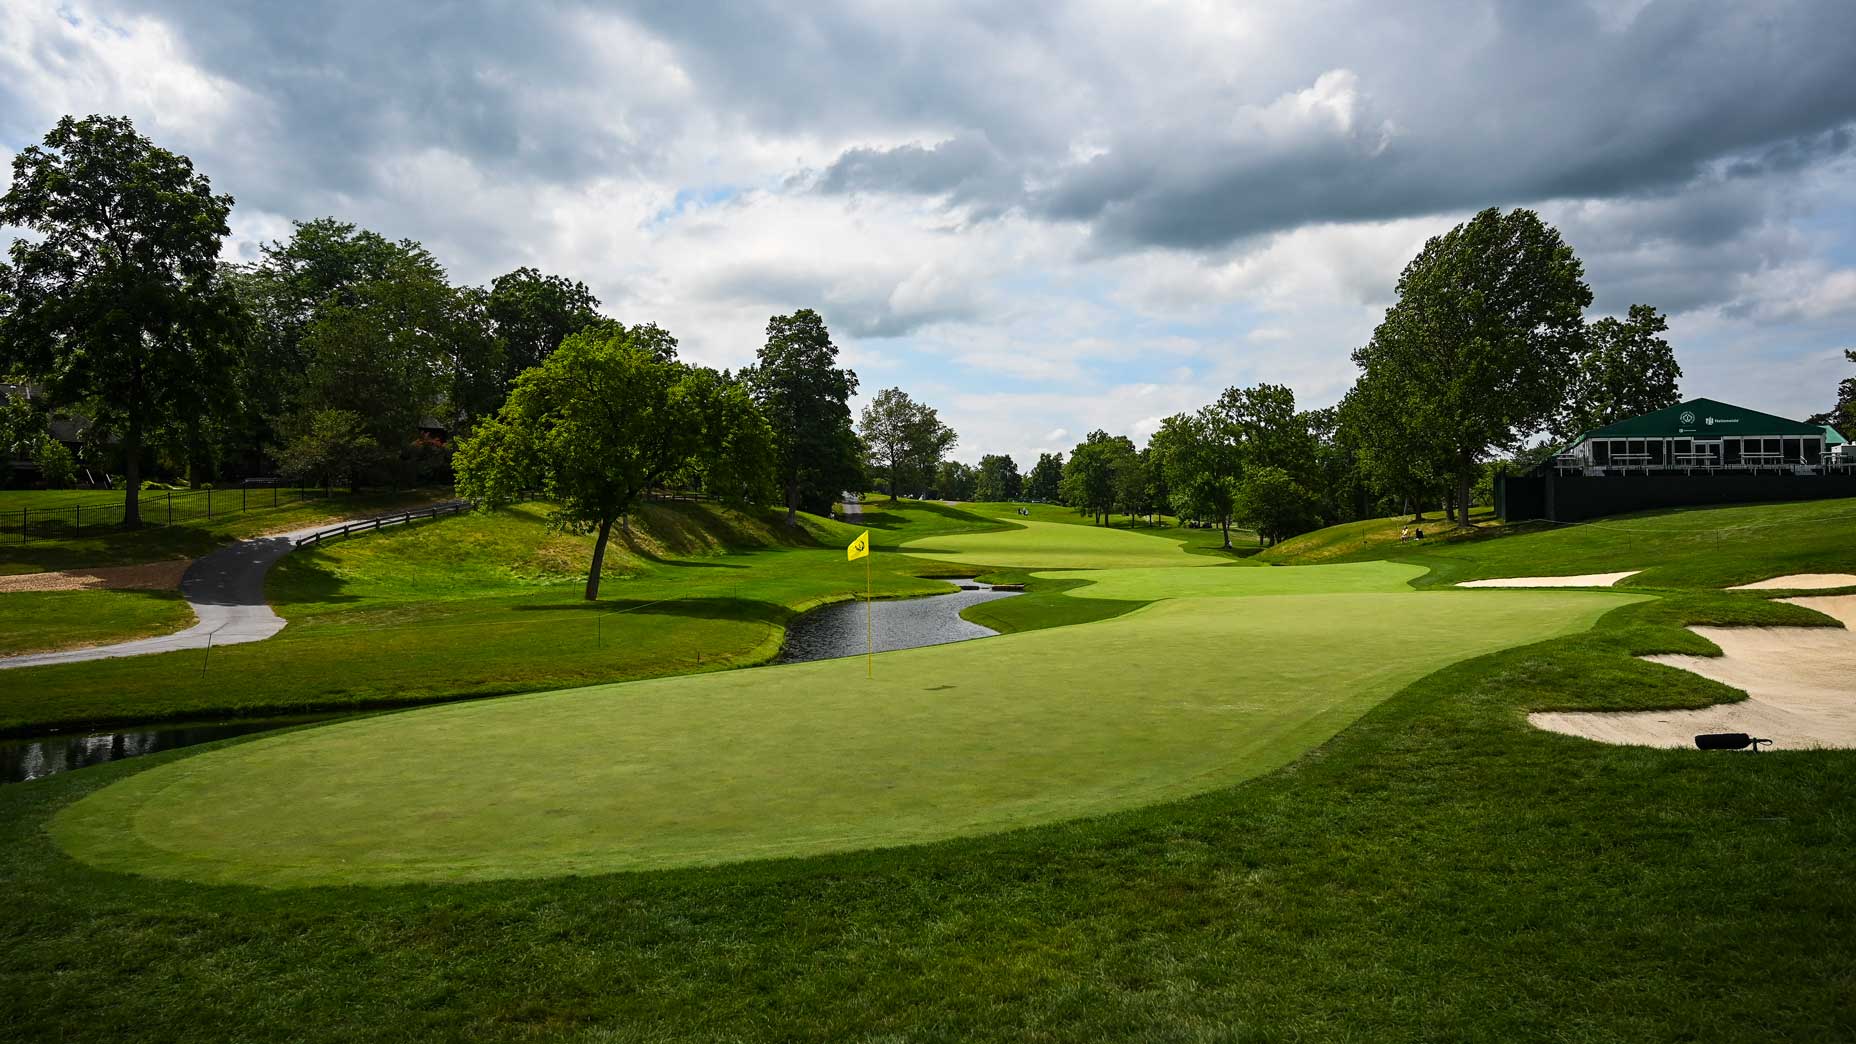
[(158, 508), (1575, 498)]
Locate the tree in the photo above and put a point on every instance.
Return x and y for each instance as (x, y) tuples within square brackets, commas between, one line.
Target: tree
[(954, 480), (1483, 336), (805, 398), (327, 445), (905, 438), (1625, 369), (1396, 456), (1089, 477), (531, 314), (1272, 502), (1042, 485), (601, 421), (116, 302), (735, 460), (998, 479), (1842, 416), (1133, 489), (325, 264), (1203, 453)]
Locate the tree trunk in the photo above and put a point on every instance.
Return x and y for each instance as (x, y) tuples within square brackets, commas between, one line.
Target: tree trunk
[(132, 474), (792, 504), (1463, 486), (1450, 509), (1226, 523), (599, 560)]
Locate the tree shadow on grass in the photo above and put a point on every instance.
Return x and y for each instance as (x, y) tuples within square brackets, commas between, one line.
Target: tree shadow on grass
[(303, 577)]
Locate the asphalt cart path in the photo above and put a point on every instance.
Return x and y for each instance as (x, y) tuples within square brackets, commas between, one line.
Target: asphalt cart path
[(225, 590)]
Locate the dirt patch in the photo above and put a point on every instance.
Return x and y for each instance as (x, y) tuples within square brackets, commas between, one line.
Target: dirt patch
[(1583, 580), (1800, 684), (1801, 582), (153, 576)]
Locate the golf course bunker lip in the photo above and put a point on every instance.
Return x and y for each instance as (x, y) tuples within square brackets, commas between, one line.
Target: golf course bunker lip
[(1801, 582), (1582, 580), (1800, 684)]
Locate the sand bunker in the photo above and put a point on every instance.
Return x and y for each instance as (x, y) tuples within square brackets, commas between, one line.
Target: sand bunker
[(1585, 580), (154, 576), (1800, 684), (1801, 582)]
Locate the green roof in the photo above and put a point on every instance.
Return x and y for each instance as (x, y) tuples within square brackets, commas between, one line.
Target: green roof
[(1705, 418)]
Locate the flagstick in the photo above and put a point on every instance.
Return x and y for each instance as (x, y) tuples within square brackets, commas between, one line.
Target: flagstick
[(869, 625)]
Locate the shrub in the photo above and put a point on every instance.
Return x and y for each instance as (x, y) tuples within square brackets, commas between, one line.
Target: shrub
[(56, 464)]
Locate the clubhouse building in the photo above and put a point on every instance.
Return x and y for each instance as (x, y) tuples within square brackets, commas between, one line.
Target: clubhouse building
[(1697, 452)]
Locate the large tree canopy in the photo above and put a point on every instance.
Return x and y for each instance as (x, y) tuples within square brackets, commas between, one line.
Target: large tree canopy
[(602, 421), (805, 397), (116, 303), (1482, 339), (1625, 369), (998, 479), (904, 438), (532, 313), (1044, 482), (1089, 477)]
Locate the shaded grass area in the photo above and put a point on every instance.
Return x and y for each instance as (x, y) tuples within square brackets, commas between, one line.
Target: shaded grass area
[(1439, 871), (490, 604), (190, 538), (39, 621)]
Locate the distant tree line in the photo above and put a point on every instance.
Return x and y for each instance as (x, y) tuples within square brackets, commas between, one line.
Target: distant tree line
[(1485, 349)]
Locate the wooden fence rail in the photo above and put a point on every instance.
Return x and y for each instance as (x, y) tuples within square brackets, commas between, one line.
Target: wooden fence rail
[(449, 507)]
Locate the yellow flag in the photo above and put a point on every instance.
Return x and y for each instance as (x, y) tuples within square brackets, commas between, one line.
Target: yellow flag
[(859, 547)]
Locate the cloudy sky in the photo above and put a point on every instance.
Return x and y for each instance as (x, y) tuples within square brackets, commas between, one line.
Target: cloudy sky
[(1039, 218)]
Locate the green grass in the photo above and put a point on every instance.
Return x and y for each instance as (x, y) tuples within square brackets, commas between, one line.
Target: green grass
[(968, 738), (1050, 545), (1438, 871), (38, 621), (184, 539), (490, 604), (1197, 541), (1696, 548)]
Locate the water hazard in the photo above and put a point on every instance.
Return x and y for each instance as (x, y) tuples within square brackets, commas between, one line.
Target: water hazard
[(28, 759), (904, 623)]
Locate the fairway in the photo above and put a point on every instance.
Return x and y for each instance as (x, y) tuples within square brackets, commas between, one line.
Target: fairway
[(1054, 545), (1188, 694)]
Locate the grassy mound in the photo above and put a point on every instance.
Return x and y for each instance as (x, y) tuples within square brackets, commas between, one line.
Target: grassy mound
[(490, 603), (1691, 548)]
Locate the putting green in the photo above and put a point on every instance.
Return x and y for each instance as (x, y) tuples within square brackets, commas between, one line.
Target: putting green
[(1054, 545), (1187, 582), (1177, 698)]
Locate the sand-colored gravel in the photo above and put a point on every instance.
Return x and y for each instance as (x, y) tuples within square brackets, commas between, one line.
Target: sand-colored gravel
[(153, 576), (1800, 684), (1801, 582), (1584, 580)]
